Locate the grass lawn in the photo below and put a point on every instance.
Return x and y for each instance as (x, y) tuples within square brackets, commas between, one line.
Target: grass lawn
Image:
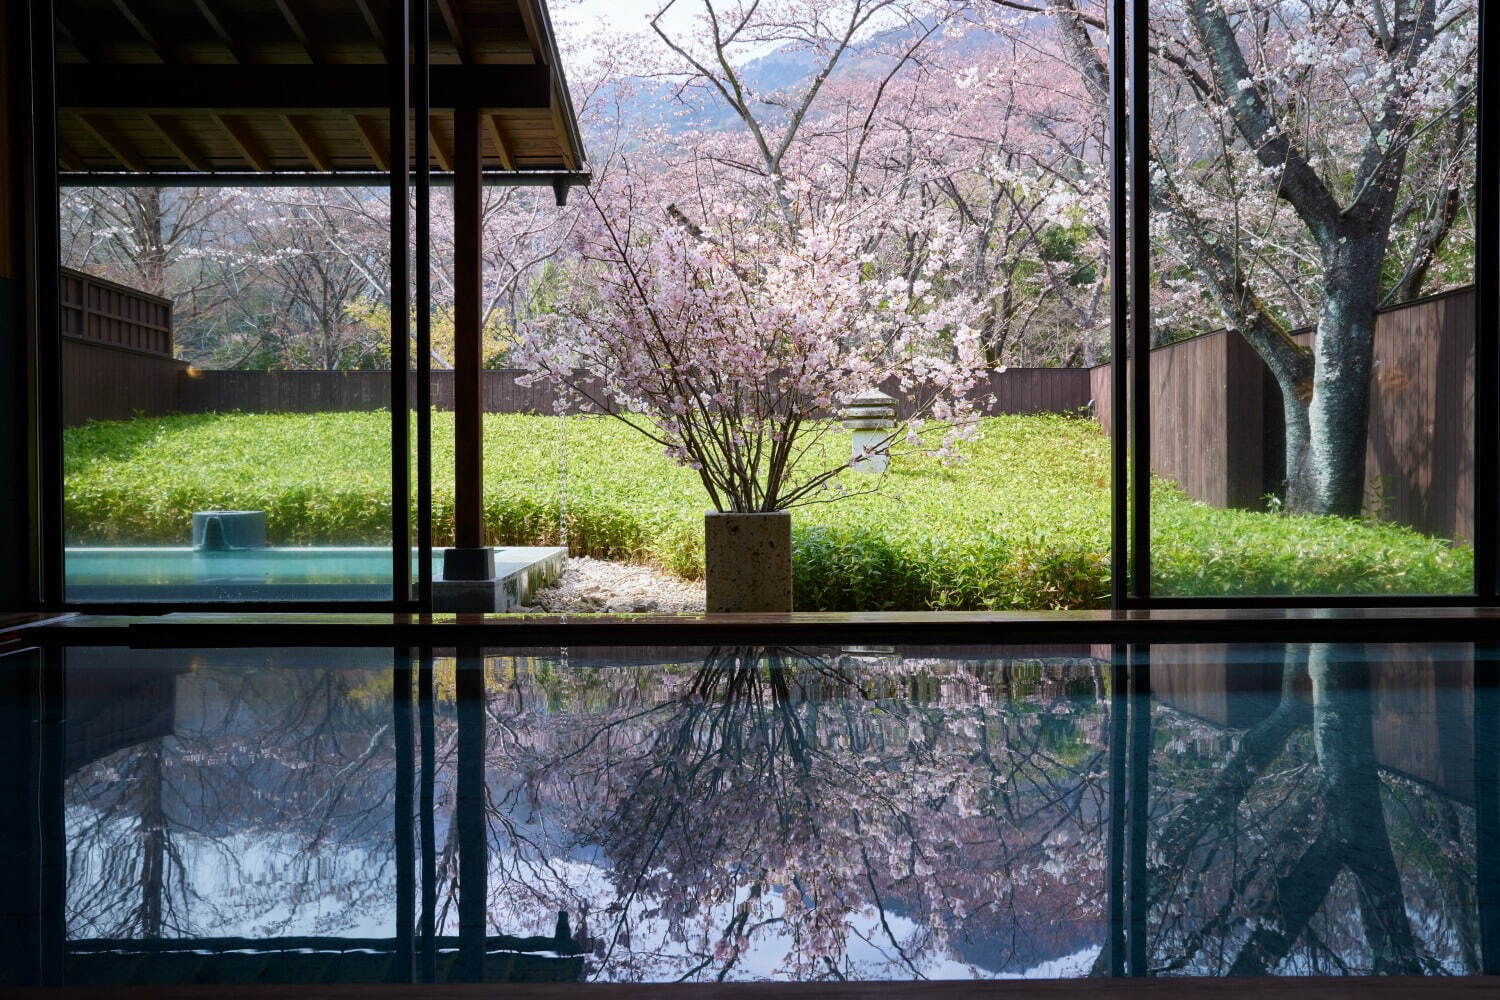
[(1022, 523)]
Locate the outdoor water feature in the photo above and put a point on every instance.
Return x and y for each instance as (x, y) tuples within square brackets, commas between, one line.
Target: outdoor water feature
[(822, 812)]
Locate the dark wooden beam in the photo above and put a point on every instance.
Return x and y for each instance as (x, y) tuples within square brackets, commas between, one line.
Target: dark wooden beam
[(292, 88), (67, 156), (372, 144), (104, 133), (373, 22), (298, 20), (533, 30), (244, 141), (308, 142), (468, 312), (453, 20), (236, 50), (173, 137), (85, 48), (149, 34), (497, 140), (439, 151)]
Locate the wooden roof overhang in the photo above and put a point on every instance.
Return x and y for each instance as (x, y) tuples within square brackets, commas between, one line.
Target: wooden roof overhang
[(250, 92)]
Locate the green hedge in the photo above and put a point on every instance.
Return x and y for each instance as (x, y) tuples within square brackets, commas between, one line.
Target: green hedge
[(1022, 523)]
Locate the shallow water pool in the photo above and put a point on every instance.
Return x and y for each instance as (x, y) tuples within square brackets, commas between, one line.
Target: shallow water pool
[(330, 815)]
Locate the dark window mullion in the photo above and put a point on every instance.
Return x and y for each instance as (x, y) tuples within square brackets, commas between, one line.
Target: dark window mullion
[(400, 153), (1487, 315), (1140, 299), (1119, 344)]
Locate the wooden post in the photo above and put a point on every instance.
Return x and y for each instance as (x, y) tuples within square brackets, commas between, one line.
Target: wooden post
[(468, 293)]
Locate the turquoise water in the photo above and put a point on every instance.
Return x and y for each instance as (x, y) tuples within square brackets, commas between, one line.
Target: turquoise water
[(269, 566), (761, 813), (162, 573)]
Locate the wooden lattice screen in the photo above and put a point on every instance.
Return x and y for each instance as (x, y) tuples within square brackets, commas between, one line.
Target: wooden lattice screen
[(103, 312)]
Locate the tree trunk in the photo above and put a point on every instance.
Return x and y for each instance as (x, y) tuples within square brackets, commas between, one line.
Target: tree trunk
[(1343, 723), (1333, 479), (1294, 416)]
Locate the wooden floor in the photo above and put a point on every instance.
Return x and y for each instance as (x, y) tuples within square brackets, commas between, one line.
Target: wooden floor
[(1093, 989)]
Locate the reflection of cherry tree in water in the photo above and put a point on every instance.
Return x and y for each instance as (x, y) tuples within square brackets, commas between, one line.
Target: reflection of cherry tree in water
[(773, 812), (126, 868), (269, 801), (1281, 858)]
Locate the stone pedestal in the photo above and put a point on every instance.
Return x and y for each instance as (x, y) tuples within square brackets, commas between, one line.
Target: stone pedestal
[(748, 561), (469, 583)]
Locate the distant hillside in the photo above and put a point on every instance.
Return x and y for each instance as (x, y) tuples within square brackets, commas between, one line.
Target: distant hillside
[(656, 103)]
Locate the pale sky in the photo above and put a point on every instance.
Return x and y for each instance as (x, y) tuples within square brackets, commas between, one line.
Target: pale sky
[(588, 16), (581, 20)]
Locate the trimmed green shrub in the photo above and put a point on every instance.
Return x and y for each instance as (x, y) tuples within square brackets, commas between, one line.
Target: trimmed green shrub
[(1023, 523)]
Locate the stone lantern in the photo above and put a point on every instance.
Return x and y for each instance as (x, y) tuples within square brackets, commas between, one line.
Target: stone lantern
[(871, 415)]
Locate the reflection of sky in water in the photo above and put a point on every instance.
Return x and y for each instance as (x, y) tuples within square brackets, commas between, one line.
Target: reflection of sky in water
[(276, 815)]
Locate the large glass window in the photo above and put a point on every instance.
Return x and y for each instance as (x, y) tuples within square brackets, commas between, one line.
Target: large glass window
[(1312, 365), (226, 390)]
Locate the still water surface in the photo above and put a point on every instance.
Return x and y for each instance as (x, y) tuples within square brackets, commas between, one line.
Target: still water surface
[(750, 813)]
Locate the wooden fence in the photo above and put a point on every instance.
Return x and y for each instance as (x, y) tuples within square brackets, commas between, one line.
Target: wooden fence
[(116, 351), (1217, 426), (103, 312), (1025, 390), (1422, 699)]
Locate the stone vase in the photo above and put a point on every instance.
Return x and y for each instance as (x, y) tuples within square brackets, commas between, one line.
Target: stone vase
[(748, 561)]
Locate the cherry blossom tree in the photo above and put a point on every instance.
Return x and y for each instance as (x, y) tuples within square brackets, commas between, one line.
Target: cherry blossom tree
[(1310, 160), (732, 349)]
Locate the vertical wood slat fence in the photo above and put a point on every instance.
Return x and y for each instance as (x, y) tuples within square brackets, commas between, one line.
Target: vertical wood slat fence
[(1217, 426), (1021, 391)]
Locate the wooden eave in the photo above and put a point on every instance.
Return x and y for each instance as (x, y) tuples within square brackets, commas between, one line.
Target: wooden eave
[(298, 87)]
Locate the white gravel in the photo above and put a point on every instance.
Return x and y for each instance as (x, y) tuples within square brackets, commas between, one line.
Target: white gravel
[(594, 585)]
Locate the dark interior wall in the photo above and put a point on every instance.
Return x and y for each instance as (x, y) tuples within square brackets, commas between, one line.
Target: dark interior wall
[(14, 510)]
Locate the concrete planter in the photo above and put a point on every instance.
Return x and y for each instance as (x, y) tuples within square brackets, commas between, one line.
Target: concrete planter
[(748, 561)]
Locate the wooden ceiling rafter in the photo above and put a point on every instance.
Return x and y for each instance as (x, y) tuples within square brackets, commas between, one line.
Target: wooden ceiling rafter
[(453, 20), (245, 142), (443, 155), (226, 38), (86, 50), (497, 140), (104, 134), (67, 156), (140, 92), (533, 31), (564, 147), (177, 142), (297, 20), (309, 143), (148, 34), (372, 143), (376, 24), (292, 87)]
